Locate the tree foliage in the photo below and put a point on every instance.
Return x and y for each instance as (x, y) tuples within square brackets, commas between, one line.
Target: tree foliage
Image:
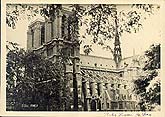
[(33, 83), (99, 19), (148, 85)]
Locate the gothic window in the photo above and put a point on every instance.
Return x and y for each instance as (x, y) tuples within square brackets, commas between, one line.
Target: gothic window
[(32, 32), (63, 25), (107, 105), (49, 51), (42, 35), (95, 64), (52, 29), (69, 29)]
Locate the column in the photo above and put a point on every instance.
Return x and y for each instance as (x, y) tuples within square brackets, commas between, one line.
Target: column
[(88, 89), (84, 92), (109, 99), (66, 28), (77, 81), (76, 88), (92, 86), (79, 91), (55, 26), (34, 40), (29, 39), (100, 95), (59, 25), (88, 97), (94, 95), (48, 31), (37, 35), (100, 88), (55, 44), (67, 91)]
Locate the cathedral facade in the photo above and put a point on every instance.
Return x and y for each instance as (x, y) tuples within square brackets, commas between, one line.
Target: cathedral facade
[(94, 83)]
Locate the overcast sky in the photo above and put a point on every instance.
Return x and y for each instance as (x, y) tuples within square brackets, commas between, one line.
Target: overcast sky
[(151, 33)]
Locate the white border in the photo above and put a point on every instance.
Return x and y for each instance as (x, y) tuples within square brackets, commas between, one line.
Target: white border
[(74, 114)]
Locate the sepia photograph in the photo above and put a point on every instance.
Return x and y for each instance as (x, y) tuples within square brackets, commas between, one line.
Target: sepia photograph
[(83, 57)]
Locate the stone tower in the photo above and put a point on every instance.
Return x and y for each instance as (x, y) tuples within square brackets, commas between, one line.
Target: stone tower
[(53, 39)]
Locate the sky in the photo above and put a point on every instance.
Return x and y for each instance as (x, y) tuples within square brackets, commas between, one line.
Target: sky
[(139, 42)]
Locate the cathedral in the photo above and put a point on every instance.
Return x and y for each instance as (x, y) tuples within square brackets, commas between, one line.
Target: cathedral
[(94, 83)]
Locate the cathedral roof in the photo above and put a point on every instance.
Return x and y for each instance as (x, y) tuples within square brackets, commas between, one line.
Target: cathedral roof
[(97, 62)]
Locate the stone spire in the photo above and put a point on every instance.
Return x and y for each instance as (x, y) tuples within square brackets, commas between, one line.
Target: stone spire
[(117, 50)]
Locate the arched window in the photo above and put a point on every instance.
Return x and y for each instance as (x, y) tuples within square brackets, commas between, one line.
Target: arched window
[(63, 31), (108, 105), (69, 28), (52, 29), (32, 33), (42, 35)]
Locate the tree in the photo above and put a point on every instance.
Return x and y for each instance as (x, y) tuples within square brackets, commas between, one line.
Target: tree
[(103, 22), (99, 18), (148, 86), (14, 70), (33, 82)]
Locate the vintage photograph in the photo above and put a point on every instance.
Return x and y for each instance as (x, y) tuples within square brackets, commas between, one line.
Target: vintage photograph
[(83, 57)]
